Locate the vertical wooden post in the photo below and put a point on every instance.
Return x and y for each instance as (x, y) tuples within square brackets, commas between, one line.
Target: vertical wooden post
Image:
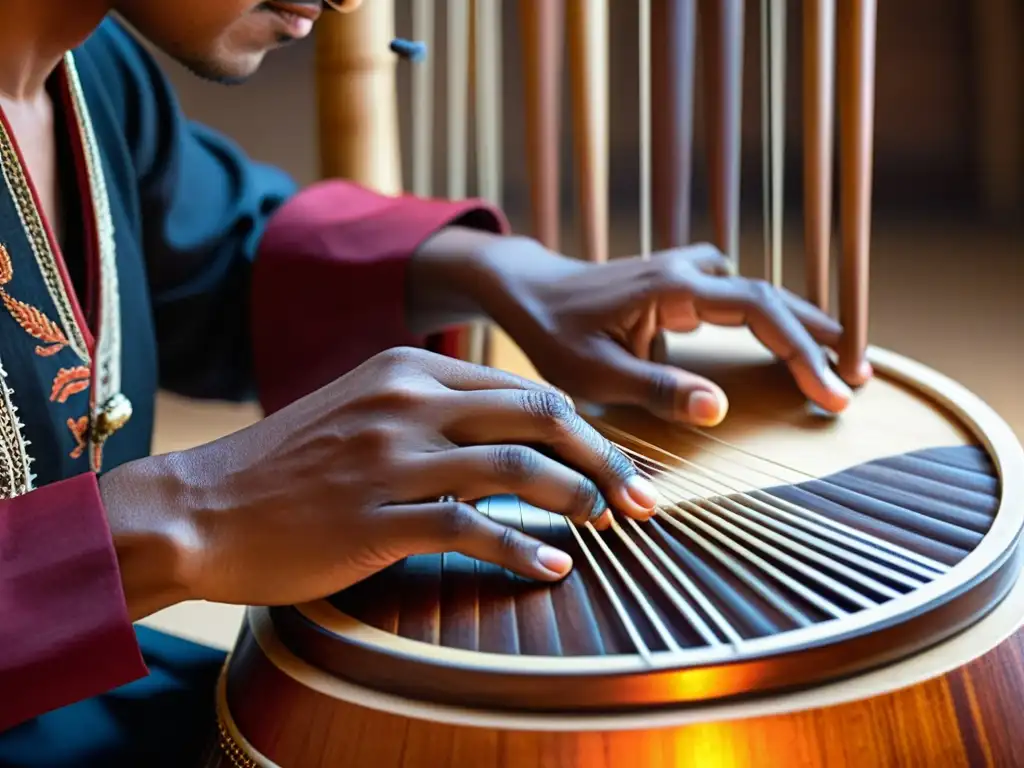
[(357, 96), (819, 104), (673, 62), (856, 133), (722, 34), (543, 24), (588, 54)]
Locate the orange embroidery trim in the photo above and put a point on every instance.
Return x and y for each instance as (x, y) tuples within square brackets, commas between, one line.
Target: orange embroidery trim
[(79, 430), (6, 268), (33, 322), (68, 382)]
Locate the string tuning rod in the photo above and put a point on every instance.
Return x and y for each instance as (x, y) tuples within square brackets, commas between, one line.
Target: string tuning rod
[(410, 50)]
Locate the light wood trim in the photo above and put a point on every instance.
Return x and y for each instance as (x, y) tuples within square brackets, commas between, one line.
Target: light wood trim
[(589, 62), (819, 105), (357, 97)]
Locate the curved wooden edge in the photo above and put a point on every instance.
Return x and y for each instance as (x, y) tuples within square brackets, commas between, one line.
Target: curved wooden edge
[(992, 552), (237, 744), (512, 688), (973, 642)]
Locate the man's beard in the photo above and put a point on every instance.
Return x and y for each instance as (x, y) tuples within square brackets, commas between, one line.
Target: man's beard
[(213, 73)]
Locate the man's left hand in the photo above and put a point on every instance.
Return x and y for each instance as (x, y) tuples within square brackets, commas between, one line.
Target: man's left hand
[(588, 328)]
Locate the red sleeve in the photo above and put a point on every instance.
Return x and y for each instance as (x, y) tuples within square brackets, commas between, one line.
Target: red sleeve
[(65, 634), (328, 287)]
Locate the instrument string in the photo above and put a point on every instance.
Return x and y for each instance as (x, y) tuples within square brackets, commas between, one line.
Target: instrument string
[(816, 537), (755, 522), (738, 569), (691, 512), (719, 516), (612, 594), (680, 603), (634, 589), (817, 523), (695, 593)]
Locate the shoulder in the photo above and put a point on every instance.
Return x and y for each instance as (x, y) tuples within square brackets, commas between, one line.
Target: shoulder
[(127, 91), (116, 62), (113, 48)]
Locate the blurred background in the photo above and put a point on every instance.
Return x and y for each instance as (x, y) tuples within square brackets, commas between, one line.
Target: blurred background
[(948, 229)]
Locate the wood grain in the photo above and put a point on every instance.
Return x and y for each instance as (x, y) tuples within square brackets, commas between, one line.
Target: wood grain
[(356, 85), (969, 717)]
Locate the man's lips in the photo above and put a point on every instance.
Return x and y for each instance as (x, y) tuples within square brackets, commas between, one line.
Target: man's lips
[(308, 10)]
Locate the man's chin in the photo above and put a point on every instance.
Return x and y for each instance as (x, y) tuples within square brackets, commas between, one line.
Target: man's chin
[(234, 71)]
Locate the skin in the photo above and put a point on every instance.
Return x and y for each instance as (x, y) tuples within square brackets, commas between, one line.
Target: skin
[(346, 481)]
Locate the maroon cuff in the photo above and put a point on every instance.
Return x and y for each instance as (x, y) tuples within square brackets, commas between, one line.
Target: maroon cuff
[(65, 634), (329, 282)]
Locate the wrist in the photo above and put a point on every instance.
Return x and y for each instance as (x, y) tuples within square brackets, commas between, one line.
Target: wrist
[(451, 279), (153, 531)]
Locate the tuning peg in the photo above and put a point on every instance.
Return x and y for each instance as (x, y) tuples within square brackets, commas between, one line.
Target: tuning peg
[(411, 50)]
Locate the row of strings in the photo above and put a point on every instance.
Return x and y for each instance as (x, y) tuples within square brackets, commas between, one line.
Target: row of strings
[(668, 34), (777, 548)]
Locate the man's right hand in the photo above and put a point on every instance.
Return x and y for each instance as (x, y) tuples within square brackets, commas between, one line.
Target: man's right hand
[(349, 480)]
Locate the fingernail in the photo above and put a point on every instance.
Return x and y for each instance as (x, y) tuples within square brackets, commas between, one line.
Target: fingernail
[(866, 371), (837, 385), (554, 560), (704, 408), (642, 491)]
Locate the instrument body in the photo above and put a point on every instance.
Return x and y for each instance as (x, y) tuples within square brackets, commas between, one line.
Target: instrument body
[(440, 664), (297, 696)]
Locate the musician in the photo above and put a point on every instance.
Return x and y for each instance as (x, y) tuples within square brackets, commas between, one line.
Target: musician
[(140, 250)]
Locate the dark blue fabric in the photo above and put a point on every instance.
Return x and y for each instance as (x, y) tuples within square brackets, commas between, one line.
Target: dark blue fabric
[(188, 209), (162, 721), (195, 207)]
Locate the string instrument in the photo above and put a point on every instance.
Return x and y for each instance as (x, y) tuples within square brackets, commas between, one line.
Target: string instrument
[(812, 591)]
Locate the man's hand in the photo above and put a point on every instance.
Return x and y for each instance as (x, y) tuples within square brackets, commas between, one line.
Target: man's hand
[(589, 328), (348, 480)]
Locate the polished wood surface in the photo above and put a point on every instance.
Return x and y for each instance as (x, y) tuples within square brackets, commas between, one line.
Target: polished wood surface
[(587, 23), (856, 68), (721, 27), (358, 111), (543, 25), (673, 67), (969, 717), (959, 719), (819, 34)]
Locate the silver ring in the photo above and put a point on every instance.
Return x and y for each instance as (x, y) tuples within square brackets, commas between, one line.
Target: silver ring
[(446, 499)]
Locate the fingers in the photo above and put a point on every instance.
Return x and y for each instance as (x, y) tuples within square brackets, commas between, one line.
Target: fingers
[(704, 256), (458, 527), (677, 276), (464, 377), (547, 420), (778, 328), (492, 470), (668, 392)]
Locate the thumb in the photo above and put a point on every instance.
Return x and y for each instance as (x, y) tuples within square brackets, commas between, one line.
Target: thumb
[(664, 390)]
